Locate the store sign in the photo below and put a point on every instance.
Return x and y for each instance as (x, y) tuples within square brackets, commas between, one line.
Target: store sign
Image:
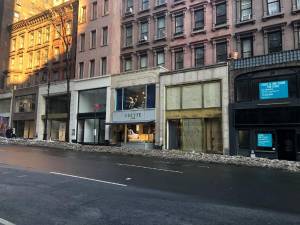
[(133, 116), (274, 90), (265, 140)]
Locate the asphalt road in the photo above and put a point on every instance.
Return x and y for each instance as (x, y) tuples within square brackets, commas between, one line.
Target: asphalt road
[(52, 187)]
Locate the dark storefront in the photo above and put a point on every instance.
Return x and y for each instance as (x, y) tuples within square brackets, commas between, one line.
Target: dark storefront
[(265, 113)]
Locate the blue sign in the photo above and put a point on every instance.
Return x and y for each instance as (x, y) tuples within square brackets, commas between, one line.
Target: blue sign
[(265, 140), (273, 90)]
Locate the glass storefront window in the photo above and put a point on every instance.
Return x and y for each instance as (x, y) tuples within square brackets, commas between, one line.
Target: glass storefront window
[(25, 103), (92, 100), (244, 139), (58, 104), (136, 97), (141, 133), (5, 106)]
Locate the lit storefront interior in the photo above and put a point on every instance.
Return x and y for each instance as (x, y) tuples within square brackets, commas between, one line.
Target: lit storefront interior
[(24, 116), (194, 117), (134, 118), (91, 116), (57, 117), (4, 115), (266, 114)]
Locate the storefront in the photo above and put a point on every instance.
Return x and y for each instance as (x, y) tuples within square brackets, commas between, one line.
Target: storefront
[(266, 113), (91, 116), (5, 106), (135, 113), (195, 110), (24, 115)]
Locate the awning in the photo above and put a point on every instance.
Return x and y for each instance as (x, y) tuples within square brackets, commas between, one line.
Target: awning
[(129, 122)]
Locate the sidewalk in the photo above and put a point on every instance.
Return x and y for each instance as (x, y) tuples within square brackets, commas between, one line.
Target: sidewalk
[(163, 154)]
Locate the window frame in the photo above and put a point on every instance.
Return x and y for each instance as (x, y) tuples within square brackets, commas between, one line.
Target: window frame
[(270, 2), (179, 64), (218, 56), (178, 24), (221, 16), (160, 31), (195, 56), (242, 46), (280, 48), (245, 9), (197, 28), (128, 42)]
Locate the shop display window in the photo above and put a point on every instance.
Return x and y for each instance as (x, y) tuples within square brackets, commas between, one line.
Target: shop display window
[(92, 100), (140, 133), (25, 103)]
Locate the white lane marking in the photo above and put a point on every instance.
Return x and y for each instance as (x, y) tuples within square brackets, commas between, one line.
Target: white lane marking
[(90, 179), (5, 222), (150, 168)]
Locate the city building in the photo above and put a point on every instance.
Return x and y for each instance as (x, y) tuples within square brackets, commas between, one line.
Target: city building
[(264, 82), (42, 52), (98, 57)]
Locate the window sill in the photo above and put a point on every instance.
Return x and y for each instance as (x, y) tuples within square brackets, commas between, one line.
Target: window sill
[(268, 17), (143, 11), (104, 45), (128, 14), (221, 26), (142, 43), (200, 31), (241, 23), (295, 11), (160, 39), (176, 3), (127, 47), (178, 36), (160, 6)]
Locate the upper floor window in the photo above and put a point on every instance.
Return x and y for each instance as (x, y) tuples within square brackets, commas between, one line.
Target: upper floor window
[(16, 16), (92, 68), (82, 42), (93, 39), (106, 7), (179, 24), (221, 52), (128, 64), (39, 37), (128, 35), (160, 2), (46, 55), (143, 61), (247, 47), (179, 60), (12, 63), (94, 11), (21, 42), (21, 62), (25, 103), (160, 58), (47, 34), (68, 28), (274, 41), (199, 19), (199, 56), (104, 36), (221, 13), (298, 4), (129, 6), (144, 31), (30, 59), (246, 10), (57, 31), (56, 54), (273, 6), (144, 4), (81, 70), (161, 27), (13, 44), (103, 66), (83, 14), (31, 39)]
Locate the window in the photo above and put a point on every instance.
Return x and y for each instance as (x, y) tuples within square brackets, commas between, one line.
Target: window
[(82, 42), (104, 35), (21, 62), (31, 39), (247, 47), (93, 39), (38, 58), (57, 31), (144, 4), (46, 55), (39, 37), (55, 76), (129, 6), (244, 139), (161, 27), (12, 63), (56, 54), (68, 28), (92, 68), (212, 95), (298, 4), (160, 58), (298, 33), (199, 56), (273, 6), (128, 64), (179, 60), (83, 14), (13, 44), (22, 41), (104, 66), (160, 2), (94, 11), (246, 10), (221, 52), (144, 31), (16, 16), (81, 70), (106, 7), (274, 41), (143, 61), (25, 103), (179, 24), (47, 34), (221, 17), (128, 35), (198, 19), (30, 58)]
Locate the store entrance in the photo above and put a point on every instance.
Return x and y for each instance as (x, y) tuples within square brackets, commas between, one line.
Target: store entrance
[(286, 144)]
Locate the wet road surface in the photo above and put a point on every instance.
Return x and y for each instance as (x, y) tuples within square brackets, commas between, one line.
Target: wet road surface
[(46, 186)]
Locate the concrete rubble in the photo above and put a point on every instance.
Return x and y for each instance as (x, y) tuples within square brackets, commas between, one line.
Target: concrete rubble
[(163, 154)]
